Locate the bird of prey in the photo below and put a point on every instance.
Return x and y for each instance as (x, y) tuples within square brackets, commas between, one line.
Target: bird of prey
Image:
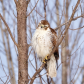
[(43, 42)]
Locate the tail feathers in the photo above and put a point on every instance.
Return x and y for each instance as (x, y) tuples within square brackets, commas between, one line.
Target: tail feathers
[(51, 67)]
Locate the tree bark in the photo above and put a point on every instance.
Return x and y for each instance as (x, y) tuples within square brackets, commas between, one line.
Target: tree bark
[(65, 49), (22, 42), (64, 64)]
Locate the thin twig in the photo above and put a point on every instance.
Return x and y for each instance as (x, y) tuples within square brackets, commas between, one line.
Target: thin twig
[(77, 28), (45, 4), (8, 30), (3, 67), (68, 21), (78, 17), (33, 8), (2, 81)]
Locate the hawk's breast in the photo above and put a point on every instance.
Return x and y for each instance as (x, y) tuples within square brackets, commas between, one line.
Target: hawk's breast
[(42, 43)]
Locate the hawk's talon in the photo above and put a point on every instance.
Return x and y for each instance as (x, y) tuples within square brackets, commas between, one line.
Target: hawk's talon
[(45, 59)]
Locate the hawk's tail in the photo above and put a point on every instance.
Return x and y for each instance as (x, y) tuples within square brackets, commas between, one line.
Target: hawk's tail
[(51, 67)]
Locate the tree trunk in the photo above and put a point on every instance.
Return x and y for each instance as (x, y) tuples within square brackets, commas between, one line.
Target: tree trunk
[(65, 49), (64, 65), (22, 42)]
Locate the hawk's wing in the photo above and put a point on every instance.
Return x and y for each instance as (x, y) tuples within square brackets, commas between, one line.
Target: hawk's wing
[(54, 41)]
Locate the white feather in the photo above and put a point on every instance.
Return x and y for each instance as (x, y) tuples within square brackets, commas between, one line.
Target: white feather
[(41, 42), (51, 67)]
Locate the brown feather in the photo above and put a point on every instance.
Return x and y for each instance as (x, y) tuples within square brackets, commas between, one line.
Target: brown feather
[(54, 41), (44, 22)]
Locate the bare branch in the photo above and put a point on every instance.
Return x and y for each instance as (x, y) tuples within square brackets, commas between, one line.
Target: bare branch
[(74, 82), (2, 81), (79, 17), (3, 67), (45, 4), (68, 21), (77, 28), (33, 8), (8, 30)]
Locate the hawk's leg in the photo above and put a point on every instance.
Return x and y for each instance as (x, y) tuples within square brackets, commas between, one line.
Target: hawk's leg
[(45, 59)]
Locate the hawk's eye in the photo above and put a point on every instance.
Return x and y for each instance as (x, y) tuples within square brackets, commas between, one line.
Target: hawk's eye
[(42, 26)]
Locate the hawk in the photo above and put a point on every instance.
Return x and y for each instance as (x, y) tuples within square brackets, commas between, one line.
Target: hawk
[(43, 42)]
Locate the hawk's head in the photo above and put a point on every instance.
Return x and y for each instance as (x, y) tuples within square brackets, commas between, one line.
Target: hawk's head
[(44, 24)]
